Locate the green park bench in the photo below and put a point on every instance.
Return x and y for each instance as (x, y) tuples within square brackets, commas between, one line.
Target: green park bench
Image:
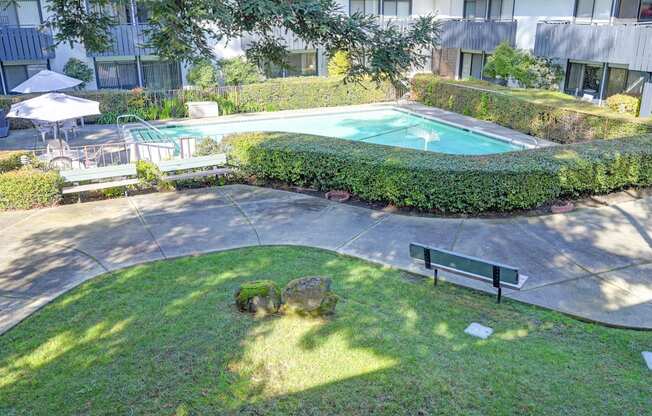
[(499, 275)]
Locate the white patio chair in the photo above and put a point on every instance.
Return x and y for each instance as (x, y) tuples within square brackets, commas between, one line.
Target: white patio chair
[(69, 126), (43, 129)]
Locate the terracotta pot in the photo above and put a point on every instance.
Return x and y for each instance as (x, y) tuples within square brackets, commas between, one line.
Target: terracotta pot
[(562, 207), (338, 196)]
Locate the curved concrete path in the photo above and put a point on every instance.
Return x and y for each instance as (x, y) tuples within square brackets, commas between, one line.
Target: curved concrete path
[(593, 263)]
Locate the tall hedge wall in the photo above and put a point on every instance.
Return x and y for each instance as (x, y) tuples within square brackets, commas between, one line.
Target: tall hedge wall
[(551, 123), (272, 95), (439, 182)]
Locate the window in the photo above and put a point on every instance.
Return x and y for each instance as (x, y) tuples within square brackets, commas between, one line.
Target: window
[(161, 75), (628, 9), (20, 13), (646, 10), (368, 7), (592, 80), (617, 81), (472, 65), (397, 8), (298, 64), (574, 79), (17, 74), (501, 10), (475, 9), (117, 74), (593, 9), (635, 82)]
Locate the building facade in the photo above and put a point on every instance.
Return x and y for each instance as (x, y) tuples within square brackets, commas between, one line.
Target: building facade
[(605, 46)]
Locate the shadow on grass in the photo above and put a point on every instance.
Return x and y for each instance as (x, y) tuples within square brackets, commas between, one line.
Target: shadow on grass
[(165, 338)]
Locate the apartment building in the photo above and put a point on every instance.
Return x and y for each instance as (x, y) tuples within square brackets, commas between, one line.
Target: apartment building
[(605, 46)]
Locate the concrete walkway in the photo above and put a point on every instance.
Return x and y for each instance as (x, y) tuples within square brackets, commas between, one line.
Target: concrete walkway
[(593, 263)]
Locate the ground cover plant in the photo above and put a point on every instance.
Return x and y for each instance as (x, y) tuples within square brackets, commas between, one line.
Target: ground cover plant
[(166, 338)]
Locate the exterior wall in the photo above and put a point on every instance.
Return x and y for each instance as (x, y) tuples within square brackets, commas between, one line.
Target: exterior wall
[(529, 12), (65, 51)]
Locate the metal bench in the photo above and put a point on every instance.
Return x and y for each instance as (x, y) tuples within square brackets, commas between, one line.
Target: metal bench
[(189, 166), (499, 275), (100, 178)]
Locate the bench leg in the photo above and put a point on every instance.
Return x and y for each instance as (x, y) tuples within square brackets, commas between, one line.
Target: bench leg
[(499, 295), (436, 280)]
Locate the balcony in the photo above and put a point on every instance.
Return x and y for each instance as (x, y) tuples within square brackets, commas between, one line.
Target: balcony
[(629, 44), (25, 43), (289, 38), (477, 35), (127, 40)]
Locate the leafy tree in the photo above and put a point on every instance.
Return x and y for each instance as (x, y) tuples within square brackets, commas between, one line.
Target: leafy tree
[(202, 74), (528, 70), (238, 71), (339, 64), (185, 30), (78, 69)]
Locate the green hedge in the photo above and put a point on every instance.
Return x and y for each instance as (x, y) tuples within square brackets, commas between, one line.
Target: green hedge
[(29, 188), (557, 124), (272, 95), (309, 92), (11, 160), (439, 182)]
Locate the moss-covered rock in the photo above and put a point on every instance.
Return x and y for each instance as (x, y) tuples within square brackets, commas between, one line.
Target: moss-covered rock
[(260, 297), (310, 296)]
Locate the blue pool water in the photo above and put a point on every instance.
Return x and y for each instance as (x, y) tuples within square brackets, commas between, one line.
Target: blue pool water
[(386, 127)]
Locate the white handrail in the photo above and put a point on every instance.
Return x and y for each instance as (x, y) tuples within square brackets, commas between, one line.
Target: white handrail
[(140, 120)]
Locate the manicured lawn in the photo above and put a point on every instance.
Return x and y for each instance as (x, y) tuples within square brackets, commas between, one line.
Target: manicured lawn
[(165, 338)]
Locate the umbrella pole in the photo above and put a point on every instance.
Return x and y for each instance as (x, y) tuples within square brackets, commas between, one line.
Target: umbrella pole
[(56, 136)]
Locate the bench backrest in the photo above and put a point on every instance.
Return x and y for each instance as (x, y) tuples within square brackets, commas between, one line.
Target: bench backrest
[(470, 266)]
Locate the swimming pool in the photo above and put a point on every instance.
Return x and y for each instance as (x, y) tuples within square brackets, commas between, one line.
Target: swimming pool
[(391, 127)]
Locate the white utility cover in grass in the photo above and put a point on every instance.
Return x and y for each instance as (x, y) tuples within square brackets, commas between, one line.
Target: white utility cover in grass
[(647, 356), (480, 331)]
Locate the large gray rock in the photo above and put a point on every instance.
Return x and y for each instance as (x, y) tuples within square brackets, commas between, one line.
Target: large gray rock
[(259, 297), (309, 296)]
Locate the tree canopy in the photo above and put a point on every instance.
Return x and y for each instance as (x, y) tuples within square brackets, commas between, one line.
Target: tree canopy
[(186, 30)]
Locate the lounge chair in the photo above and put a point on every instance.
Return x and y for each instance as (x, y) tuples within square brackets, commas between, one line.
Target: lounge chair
[(69, 126)]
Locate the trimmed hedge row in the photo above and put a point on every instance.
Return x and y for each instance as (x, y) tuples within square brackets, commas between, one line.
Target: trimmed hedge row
[(29, 188), (551, 123), (439, 182), (272, 95)]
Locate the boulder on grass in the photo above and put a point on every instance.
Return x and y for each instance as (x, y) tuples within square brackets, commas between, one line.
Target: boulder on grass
[(310, 296), (260, 297)]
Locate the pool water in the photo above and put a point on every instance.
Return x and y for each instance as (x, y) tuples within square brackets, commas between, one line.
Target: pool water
[(386, 127)]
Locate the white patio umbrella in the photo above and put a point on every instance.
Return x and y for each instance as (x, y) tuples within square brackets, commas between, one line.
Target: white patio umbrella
[(46, 81), (53, 108)]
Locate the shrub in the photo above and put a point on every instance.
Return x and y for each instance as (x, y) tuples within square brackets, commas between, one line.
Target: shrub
[(150, 176), (238, 71), (78, 69), (207, 146), (557, 124), (439, 182), (622, 103), (11, 160), (29, 188), (339, 64), (530, 71), (203, 74)]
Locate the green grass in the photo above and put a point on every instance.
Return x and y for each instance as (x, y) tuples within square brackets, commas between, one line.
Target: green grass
[(166, 338), (547, 97)]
